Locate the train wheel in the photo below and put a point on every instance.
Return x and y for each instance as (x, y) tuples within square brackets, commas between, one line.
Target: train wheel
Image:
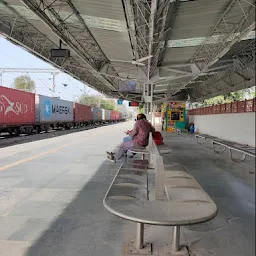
[(17, 131), (29, 130), (38, 129), (10, 131)]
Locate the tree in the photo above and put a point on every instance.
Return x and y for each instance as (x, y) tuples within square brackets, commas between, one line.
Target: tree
[(96, 100), (141, 108), (89, 100), (24, 83), (227, 98), (107, 104)]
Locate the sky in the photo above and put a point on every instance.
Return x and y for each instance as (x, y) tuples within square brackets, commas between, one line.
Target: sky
[(12, 56)]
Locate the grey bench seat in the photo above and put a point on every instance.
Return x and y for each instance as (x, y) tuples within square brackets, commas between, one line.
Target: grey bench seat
[(232, 146), (204, 137), (186, 203), (180, 131), (171, 213)]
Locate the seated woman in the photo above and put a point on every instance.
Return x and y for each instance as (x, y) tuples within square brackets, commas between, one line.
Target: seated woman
[(139, 135), (127, 138)]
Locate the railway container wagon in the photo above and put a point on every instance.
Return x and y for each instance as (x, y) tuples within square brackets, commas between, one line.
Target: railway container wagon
[(97, 115), (17, 111), (52, 113), (123, 116), (114, 115), (82, 115), (106, 115), (119, 116)]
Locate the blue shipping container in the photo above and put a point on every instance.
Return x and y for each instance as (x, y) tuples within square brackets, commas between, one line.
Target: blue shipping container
[(97, 114)]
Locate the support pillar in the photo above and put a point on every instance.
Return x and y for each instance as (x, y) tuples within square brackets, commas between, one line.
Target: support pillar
[(148, 98)]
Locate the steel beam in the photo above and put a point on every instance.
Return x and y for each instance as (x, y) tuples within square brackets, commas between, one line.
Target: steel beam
[(231, 79), (150, 21), (74, 34), (26, 35), (29, 70), (229, 34), (236, 21)]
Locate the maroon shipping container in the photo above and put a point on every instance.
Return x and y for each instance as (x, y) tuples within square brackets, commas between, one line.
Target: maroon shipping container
[(115, 115), (82, 113), (16, 107)]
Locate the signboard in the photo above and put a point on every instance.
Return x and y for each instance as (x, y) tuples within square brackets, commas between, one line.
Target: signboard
[(176, 105), (133, 104), (127, 86), (119, 102)]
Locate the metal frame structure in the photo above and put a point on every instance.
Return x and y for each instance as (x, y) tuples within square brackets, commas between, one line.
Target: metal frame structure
[(230, 29), (210, 72), (243, 65), (23, 33), (76, 35), (150, 21), (53, 72)]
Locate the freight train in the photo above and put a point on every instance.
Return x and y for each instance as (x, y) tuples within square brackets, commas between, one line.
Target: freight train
[(24, 112)]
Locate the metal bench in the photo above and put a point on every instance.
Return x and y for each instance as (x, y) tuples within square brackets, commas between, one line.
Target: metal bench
[(143, 151), (147, 150), (128, 198), (232, 146), (192, 202), (204, 137), (180, 131)]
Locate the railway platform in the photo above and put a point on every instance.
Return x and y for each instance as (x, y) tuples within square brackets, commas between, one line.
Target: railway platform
[(51, 195)]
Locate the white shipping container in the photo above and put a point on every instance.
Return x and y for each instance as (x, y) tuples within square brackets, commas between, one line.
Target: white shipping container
[(52, 110), (105, 115)]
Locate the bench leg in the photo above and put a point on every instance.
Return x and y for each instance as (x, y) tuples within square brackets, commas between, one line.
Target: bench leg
[(217, 151), (140, 236), (142, 157), (138, 247), (236, 160), (176, 239)]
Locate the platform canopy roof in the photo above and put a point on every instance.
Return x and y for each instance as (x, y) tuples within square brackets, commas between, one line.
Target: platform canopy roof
[(185, 49)]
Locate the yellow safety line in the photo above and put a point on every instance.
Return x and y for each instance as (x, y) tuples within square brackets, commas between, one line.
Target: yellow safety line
[(3, 168)]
